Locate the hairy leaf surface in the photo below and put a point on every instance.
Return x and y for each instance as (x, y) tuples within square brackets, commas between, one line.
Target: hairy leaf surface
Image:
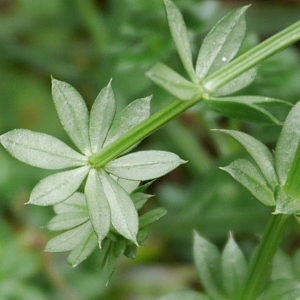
[(73, 114), (41, 150), (144, 165)]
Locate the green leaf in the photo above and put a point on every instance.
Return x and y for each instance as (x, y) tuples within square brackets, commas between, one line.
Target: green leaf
[(282, 266), (287, 153), (208, 262), (185, 295), (83, 250), (238, 83), (57, 187), (101, 117), (142, 235), (222, 43), (285, 204), (73, 114), (132, 115), (99, 210), (69, 239), (119, 247), (172, 82), (41, 150), (152, 216), (282, 289), (130, 251), (75, 203), (128, 185), (180, 37), (260, 154), (234, 268), (139, 200), (67, 220), (246, 108), (124, 216), (247, 174), (144, 165)]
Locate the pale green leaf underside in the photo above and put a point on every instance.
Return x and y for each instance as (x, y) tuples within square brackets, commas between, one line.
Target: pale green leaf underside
[(73, 114), (132, 115), (124, 216), (247, 174), (260, 154), (83, 250), (67, 221), (69, 239), (144, 165), (180, 37), (222, 43), (237, 84), (286, 204), (101, 117), (208, 262), (172, 82), (57, 187), (75, 203), (41, 150), (98, 207), (234, 268), (128, 185), (288, 144)]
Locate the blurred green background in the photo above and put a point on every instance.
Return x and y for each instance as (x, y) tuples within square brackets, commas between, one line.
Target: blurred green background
[(86, 43)]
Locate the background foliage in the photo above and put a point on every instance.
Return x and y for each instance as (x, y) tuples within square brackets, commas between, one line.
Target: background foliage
[(86, 43)]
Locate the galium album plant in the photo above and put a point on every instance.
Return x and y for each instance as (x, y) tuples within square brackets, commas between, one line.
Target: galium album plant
[(114, 181)]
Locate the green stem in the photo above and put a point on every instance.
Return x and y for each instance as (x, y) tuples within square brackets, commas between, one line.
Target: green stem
[(261, 262), (141, 131), (251, 58)]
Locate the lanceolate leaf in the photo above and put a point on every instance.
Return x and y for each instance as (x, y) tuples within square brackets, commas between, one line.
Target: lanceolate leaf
[(144, 165), (83, 250), (237, 84), (124, 217), (208, 261), (246, 108), (73, 114), (101, 117), (222, 43), (75, 203), (57, 187), (180, 37), (172, 82), (152, 216), (128, 185), (234, 268), (132, 115), (287, 153), (69, 239), (247, 174), (67, 220), (260, 154), (139, 200), (98, 206), (41, 150)]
